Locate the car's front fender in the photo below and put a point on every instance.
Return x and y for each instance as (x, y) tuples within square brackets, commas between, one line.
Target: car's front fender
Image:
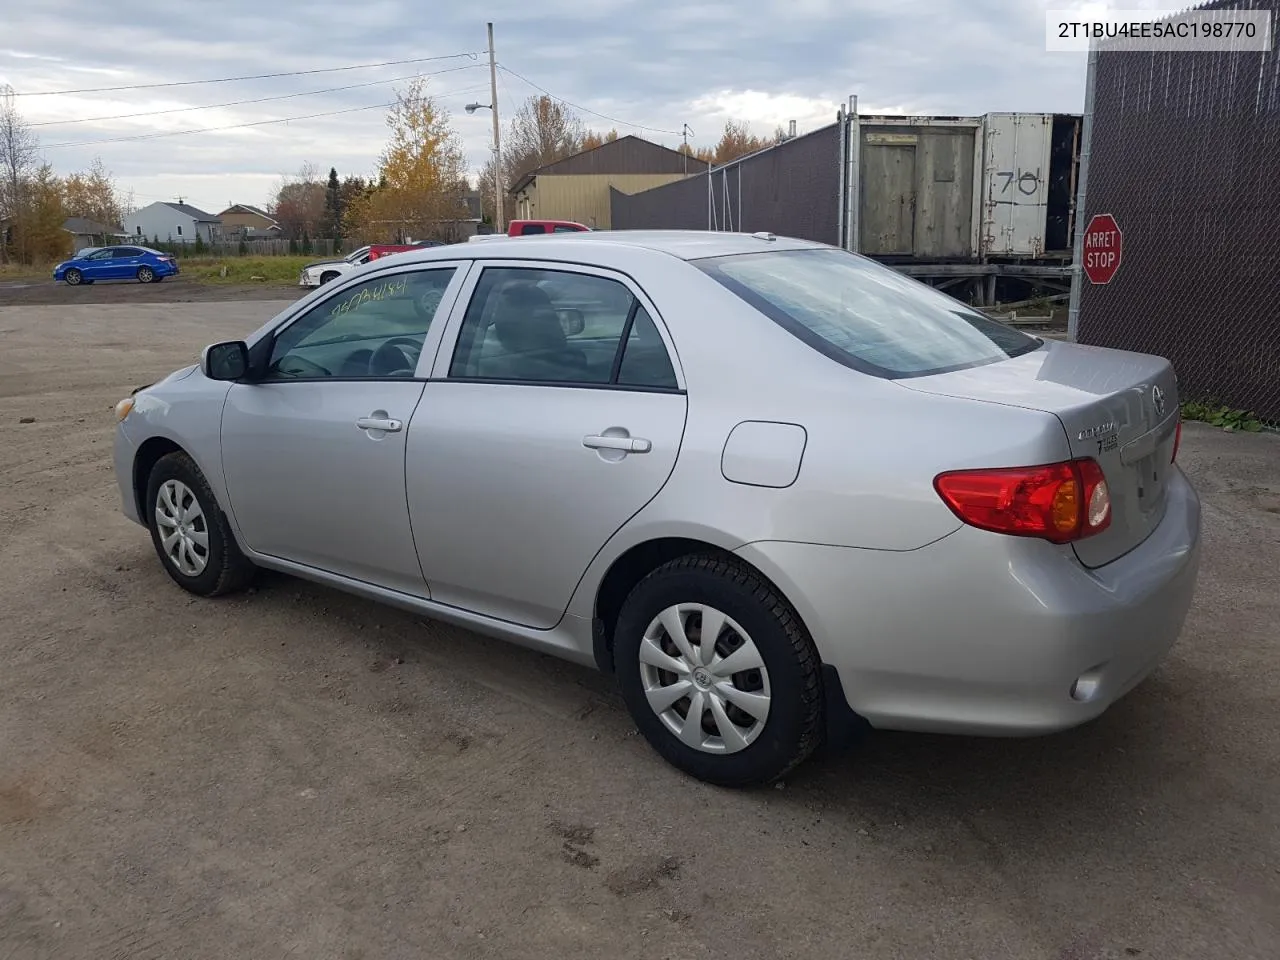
[(184, 409)]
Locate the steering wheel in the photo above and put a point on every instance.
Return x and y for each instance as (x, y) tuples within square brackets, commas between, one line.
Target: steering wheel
[(391, 359), (426, 303), (294, 366)]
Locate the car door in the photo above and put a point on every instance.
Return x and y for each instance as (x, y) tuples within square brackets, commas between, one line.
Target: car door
[(124, 263), (97, 266), (553, 415), (314, 453)]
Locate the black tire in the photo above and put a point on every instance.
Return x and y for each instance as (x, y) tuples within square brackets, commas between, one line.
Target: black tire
[(226, 568), (146, 275), (327, 277), (73, 277), (794, 727)]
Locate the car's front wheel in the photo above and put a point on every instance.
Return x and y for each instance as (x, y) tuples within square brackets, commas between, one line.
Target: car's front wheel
[(718, 672), (146, 274), (327, 277), (190, 531), (73, 277)]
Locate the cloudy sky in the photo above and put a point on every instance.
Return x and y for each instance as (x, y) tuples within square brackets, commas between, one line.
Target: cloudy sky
[(651, 65)]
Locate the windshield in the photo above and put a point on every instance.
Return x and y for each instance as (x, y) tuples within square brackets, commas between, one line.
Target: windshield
[(355, 255), (865, 315)]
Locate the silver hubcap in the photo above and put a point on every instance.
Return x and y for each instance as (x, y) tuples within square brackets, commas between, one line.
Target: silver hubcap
[(184, 532), (704, 678)]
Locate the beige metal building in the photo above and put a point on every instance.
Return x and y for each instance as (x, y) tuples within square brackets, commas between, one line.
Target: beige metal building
[(577, 187)]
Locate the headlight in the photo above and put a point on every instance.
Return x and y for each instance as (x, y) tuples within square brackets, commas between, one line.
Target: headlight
[(123, 408)]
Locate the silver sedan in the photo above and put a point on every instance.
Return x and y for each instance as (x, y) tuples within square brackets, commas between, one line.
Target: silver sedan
[(781, 492)]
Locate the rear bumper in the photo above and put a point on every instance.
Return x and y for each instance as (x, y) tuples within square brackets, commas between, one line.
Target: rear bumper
[(984, 634)]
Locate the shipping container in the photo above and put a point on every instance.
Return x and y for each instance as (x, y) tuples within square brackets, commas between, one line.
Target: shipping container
[(1029, 166), (915, 185)]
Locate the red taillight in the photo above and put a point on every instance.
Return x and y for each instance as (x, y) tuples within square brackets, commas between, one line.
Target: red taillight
[(1059, 502), (1177, 439)]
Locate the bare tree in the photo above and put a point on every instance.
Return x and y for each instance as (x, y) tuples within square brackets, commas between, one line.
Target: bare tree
[(19, 152), (298, 203), (542, 131)]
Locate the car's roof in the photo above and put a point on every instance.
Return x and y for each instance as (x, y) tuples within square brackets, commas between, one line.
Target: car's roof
[(683, 244)]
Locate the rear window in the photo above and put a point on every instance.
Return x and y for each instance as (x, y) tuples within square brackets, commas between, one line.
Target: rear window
[(865, 315)]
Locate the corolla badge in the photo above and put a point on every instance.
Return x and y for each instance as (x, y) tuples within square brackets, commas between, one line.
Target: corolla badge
[(1097, 431), (1157, 397)]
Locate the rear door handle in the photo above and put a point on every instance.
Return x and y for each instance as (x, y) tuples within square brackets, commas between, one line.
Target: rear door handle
[(625, 444), (378, 423)]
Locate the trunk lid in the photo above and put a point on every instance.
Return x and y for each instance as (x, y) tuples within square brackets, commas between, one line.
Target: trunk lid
[(1119, 408)]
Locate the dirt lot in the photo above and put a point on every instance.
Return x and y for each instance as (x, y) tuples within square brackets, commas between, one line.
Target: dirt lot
[(294, 772), (173, 290)]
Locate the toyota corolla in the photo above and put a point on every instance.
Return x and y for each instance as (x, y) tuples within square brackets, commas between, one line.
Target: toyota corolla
[(778, 490)]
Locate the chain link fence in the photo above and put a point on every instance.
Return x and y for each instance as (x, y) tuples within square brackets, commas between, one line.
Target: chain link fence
[(1185, 155)]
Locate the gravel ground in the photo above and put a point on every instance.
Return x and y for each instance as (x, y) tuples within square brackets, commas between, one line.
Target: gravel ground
[(294, 772), (173, 290)]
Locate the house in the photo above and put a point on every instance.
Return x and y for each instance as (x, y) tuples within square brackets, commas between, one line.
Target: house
[(89, 233), (172, 223), (243, 220), (577, 187)]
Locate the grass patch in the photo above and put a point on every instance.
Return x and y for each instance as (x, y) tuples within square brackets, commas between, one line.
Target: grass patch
[(18, 271), (243, 269)]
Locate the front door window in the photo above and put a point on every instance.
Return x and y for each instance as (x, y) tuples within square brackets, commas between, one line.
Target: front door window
[(373, 329)]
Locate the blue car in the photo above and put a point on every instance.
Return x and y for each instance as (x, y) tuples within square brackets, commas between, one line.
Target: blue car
[(116, 263)]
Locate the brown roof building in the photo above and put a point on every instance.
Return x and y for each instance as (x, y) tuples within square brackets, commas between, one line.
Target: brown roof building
[(577, 187)]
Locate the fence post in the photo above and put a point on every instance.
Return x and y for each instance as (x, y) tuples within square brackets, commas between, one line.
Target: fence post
[(844, 131), (1079, 223)]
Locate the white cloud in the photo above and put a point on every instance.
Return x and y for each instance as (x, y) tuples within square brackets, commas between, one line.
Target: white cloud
[(662, 63)]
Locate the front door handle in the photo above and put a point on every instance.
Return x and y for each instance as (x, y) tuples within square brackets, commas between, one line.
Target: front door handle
[(379, 423), (625, 444)]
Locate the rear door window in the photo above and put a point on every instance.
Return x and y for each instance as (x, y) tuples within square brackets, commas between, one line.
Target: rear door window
[(531, 228), (864, 315), (531, 325)]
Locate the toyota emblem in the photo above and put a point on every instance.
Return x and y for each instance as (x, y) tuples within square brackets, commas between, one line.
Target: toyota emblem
[(1157, 397)]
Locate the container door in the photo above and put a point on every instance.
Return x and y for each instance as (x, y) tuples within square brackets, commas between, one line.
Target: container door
[(1016, 183), (944, 219), (888, 203)]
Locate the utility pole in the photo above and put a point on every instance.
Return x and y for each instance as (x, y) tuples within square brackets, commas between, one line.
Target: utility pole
[(498, 187), (684, 134)]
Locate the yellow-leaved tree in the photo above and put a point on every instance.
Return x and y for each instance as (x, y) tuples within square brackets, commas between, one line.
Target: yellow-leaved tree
[(92, 194), (421, 176), (41, 210)]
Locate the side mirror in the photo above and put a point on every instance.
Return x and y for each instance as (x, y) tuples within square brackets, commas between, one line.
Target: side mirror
[(572, 321), (225, 361)]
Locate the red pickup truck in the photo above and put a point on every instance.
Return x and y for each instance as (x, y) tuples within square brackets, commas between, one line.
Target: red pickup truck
[(527, 228), (386, 249)]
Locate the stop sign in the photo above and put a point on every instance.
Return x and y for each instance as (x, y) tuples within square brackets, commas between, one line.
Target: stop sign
[(1103, 243)]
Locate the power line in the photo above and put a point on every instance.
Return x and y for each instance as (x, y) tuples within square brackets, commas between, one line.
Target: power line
[(235, 126), (257, 76), (594, 113), (237, 103)]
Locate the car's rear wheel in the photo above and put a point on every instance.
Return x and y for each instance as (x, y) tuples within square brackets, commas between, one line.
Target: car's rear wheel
[(190, 531), (73, 277), (718, 672), (326, 277), (146, 274)]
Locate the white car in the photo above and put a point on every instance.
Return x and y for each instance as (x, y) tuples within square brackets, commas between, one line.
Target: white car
[(322, 271)]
